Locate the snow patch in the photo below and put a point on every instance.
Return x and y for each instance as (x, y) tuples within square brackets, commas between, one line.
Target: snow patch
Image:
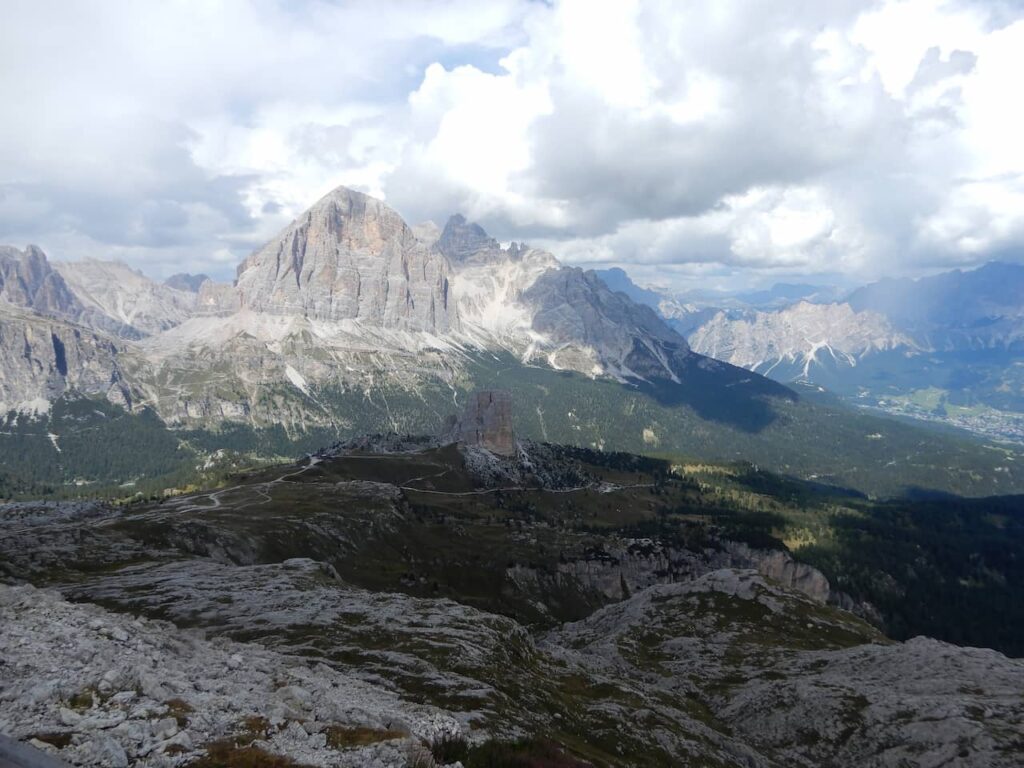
[(297, 379)]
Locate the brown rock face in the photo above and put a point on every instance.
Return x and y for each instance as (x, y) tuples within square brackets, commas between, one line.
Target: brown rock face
[(487, 422)]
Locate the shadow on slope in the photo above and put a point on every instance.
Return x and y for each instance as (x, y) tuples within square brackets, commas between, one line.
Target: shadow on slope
[(721, 393)]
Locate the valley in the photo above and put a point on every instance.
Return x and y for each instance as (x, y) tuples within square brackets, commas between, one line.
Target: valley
[(887, 346)]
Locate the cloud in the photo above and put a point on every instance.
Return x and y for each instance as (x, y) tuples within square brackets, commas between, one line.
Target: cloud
[(703, 139), (810, 136), (172, 132)]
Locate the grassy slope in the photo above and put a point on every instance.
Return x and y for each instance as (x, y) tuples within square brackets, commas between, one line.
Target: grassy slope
[(706, 418), (946, 568)]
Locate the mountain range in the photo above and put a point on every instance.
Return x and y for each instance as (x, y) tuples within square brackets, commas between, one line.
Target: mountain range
[(351, 321), (946, 348)]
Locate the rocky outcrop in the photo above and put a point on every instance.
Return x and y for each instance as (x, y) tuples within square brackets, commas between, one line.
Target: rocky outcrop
[(27, 280), (619, 569), (350, 257), (486, 422), (41, 359), (801, 682), (778, 566), (115, 691)]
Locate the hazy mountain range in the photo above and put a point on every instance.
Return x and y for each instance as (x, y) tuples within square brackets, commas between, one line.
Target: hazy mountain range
[(949, 347)]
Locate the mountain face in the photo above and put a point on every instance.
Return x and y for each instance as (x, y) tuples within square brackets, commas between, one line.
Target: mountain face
[(113, 290), (350, 257), (28, 281), (799, 337), (43, 358), (576, 310), (532, 305)]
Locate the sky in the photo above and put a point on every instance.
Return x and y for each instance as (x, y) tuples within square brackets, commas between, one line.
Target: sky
[(711, 144)]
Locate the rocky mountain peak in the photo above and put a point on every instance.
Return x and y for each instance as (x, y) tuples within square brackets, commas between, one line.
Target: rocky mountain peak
[(120, 299), (573, 307), (463, 241), (185, 281), (351, 257), (28, 280)]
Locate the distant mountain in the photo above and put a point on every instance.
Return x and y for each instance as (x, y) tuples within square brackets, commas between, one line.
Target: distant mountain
[(784, 294), (682, 317), (113, 290), (184, 281), (617, 279), (954, 310), (945, 348), (798, 338)]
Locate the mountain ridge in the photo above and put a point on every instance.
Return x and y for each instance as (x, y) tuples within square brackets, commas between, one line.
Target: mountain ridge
[(349, 321)]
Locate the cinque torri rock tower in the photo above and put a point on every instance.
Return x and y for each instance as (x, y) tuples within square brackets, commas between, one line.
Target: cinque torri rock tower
[(487, 422)]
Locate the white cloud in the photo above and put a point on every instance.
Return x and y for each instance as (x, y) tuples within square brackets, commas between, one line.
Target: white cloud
[(695, 139)]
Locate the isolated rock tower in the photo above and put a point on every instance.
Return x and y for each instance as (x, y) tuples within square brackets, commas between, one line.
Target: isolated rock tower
[(487, 422)]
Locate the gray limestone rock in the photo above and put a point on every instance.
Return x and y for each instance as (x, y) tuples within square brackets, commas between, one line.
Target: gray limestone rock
[(43, 358), (576, 309), (122, 300), (27, 280), (351, 257), (466, 242)]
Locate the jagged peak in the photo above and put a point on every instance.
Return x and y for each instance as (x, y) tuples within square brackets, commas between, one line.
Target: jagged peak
[(351, 205), (462, 240), (31, 252)]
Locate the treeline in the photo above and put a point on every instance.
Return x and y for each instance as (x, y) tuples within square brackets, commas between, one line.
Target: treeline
[(951, 569)]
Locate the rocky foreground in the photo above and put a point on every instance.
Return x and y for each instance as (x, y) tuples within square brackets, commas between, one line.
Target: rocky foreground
[(725, 670), (401, 603), (107, 689)]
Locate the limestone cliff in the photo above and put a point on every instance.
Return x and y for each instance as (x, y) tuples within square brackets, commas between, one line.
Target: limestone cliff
[(43, 358), (351, 257)]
